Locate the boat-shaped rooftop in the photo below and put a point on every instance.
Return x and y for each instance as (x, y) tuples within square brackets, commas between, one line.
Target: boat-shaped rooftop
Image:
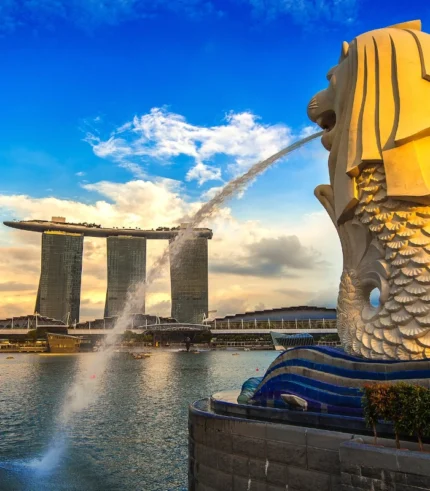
[(94, 230)]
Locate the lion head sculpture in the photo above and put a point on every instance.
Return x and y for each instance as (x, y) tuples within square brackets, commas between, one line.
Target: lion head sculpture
[(377, 109), (376, 117)]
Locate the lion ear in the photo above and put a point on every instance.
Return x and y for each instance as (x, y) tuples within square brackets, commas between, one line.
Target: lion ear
[(414, 25), (344, 51)]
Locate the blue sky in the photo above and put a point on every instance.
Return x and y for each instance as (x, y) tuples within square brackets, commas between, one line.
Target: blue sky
[(74, 72), (64, 65)]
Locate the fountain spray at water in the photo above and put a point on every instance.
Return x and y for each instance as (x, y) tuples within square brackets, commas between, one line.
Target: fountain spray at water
[(88, 380)]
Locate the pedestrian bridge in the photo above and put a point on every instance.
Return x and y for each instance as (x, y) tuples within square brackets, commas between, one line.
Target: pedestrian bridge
[(155, 328), (150, 328)]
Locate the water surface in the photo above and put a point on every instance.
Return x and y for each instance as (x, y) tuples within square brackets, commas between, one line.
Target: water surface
[(134, 437)]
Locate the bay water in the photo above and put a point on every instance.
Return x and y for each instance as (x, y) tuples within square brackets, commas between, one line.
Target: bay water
[(132, 437)]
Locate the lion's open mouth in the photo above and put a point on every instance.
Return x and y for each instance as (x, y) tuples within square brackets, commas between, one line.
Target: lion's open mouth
[(327, 120)]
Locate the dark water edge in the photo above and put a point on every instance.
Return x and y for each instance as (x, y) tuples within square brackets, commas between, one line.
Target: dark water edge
[(133, 438)]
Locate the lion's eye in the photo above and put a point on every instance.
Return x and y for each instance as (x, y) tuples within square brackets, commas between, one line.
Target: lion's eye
[(330, 74)]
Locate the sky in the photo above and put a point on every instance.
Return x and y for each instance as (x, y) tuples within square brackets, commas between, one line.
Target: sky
[(135, 112)]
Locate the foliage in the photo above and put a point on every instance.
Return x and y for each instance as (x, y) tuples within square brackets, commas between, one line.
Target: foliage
[(128, 336), (371, 406), (34, 334), (414, 404), (203, 337), (136, 337), (330, 338), (406, 406)]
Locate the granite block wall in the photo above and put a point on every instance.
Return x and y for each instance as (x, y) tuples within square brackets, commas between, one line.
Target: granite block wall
[(233, 454), (365, 467), (230, 453)]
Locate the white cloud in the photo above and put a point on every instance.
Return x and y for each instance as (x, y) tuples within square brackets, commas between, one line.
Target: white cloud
[(309, 130), (211, 193), (163, 136), (134, 169), (80, 174), (242, 246), (147, 204), (203, 173), (140, 203)]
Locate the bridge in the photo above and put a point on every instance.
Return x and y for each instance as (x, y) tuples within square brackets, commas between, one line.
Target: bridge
[(309, 326)]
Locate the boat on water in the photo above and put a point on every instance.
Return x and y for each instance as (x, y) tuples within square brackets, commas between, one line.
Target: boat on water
[(62, 343), (140, 356), (282, 342)]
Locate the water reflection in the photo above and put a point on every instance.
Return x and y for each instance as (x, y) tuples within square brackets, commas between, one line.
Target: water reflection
[(134, 437)]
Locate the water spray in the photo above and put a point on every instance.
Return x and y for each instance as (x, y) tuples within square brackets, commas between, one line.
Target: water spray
[(85, 387)]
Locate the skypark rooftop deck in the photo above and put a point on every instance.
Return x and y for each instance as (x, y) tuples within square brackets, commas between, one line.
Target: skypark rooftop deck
[(91, 230)]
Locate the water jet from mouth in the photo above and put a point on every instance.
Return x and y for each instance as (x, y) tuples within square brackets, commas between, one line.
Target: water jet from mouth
[(91, 374)]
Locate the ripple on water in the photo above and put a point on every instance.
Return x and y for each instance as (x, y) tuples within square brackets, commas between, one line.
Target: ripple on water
[(134, 437)]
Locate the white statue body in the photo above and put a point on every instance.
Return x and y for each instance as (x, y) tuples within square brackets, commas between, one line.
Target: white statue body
[(376, 113)]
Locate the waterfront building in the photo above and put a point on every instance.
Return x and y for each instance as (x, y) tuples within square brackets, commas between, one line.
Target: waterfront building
[(59, 292), (300, 317), (126, 267), (60, 281), (189, 280)]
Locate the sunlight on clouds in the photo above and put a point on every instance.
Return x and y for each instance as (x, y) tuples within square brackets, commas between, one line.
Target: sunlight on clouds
[(211, 193), (231, 290), (202, 173), (164, 136), (279, 261)]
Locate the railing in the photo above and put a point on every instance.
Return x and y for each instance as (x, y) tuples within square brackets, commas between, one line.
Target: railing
[(270, 325), (213, 325), (245, 344)]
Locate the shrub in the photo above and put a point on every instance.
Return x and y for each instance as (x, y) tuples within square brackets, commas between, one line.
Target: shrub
[(406, 406), (370, 408), (377, 404), (414, 411)]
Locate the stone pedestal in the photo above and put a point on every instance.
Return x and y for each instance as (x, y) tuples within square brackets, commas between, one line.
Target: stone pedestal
[(273, 453)]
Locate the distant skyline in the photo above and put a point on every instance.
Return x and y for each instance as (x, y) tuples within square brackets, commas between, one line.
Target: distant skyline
[(132, 113)]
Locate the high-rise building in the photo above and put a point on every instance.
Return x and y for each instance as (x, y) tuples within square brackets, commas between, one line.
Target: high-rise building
[(59, 292), (189, 279), (126, 266), (58, 295)]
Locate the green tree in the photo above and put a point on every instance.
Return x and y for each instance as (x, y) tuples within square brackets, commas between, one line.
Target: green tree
[(414, 418), (370, 409)]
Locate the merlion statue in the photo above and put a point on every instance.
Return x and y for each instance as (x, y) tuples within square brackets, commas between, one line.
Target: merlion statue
[(376, 117)]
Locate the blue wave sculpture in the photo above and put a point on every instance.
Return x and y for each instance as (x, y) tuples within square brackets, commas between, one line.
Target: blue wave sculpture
[(326, 380)]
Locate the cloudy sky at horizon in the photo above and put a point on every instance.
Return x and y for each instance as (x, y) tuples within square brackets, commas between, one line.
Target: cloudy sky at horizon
[(134, 113)]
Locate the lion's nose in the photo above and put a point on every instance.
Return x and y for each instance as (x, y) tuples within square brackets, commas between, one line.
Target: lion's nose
[(319, 103), (313, 108)]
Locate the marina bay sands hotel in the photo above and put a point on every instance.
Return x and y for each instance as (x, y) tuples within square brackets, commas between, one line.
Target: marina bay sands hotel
[(59, 291)]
